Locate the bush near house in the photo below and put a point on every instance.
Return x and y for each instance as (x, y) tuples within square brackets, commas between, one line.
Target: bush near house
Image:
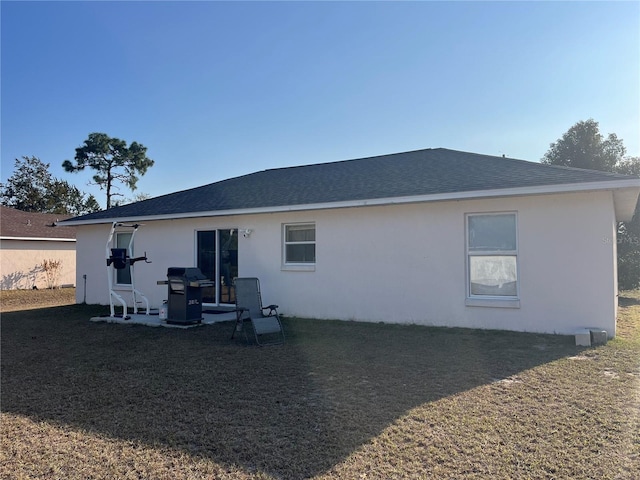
[(52, 269)]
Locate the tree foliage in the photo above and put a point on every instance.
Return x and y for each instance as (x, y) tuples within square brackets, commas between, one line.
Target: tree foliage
[(70, 200), (112, 160), (629, 166), (583, 146), (629, 252), (32, 188), (138, 197), (629, 235)]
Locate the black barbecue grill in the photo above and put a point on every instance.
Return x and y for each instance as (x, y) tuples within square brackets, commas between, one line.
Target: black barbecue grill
[(184, 304)]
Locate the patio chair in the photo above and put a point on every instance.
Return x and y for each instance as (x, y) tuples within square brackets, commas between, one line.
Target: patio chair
[(266, 327)]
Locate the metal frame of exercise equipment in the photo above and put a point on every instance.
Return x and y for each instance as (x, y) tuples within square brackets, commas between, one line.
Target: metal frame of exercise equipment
[(114, 263)]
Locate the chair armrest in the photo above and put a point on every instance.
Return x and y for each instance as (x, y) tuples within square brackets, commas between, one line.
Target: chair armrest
[(272, 309)]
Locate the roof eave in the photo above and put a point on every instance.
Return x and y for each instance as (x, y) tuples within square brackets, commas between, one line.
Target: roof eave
[(625, 201), (626, 192), (39, 239)]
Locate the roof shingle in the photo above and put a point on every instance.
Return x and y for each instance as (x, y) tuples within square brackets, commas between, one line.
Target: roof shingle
[(420, 172), (17, 224)]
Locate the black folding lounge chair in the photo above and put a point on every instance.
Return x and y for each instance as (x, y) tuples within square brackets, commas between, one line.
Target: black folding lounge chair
[(266, 327)]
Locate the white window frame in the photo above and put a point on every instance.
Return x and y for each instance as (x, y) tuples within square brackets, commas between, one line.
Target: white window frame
[(298, 266), (500, 301)]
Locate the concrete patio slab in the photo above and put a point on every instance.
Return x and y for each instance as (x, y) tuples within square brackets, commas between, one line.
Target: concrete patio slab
[(154, 320)]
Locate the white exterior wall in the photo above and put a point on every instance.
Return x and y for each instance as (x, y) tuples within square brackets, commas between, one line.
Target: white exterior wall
[(21, 260), (402, 263), (169, 243)]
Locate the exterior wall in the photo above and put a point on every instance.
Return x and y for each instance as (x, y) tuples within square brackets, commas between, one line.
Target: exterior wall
[(403, 263), (166, 243), (21, 260)]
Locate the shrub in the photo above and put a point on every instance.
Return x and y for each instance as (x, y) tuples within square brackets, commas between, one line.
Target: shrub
[(52, 269)]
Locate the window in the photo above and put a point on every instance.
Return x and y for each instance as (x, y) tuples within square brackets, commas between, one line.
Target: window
[(492, 256), (217, 259), (300, 244), (123, 276)]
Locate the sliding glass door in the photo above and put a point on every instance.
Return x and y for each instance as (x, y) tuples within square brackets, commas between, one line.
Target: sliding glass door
[(217, 259)]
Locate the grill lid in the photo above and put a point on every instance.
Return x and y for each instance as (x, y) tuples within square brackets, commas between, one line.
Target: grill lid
[(186, 273)]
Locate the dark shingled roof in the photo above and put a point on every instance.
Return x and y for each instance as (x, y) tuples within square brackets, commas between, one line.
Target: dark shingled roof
[(420, 172), (17, 224)]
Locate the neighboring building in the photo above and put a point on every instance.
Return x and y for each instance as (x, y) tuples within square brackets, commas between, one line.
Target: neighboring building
[(26, 241), (432, 237)]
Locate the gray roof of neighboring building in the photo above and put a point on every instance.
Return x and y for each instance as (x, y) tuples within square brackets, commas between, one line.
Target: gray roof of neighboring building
[(415, 173), (30, 225)]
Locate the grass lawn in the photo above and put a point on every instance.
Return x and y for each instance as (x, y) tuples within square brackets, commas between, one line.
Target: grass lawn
[(339, 400)]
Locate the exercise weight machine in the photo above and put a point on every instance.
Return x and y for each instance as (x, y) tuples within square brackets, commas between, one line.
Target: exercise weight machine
[(119, 259)]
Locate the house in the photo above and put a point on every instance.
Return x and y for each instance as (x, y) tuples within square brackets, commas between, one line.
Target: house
[(431, 237), (27, 240)]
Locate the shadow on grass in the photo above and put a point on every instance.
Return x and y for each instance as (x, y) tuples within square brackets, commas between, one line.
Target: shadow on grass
[(628, 301), (292, 411)]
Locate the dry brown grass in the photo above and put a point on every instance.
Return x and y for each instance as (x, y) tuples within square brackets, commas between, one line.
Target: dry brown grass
[(340, 400), (14, 300)]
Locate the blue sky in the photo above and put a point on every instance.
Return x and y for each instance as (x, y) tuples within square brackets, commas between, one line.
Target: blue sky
[(221, 89)]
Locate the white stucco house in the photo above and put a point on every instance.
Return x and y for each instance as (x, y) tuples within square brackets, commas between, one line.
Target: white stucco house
[(27, 239), (432, 237)]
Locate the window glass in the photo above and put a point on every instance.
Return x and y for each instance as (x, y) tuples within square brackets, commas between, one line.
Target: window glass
[(492, 256), (206, 262), (300, 243), (301, 253), (492, 232), (123, 276), (493, 275), (301, 233)]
